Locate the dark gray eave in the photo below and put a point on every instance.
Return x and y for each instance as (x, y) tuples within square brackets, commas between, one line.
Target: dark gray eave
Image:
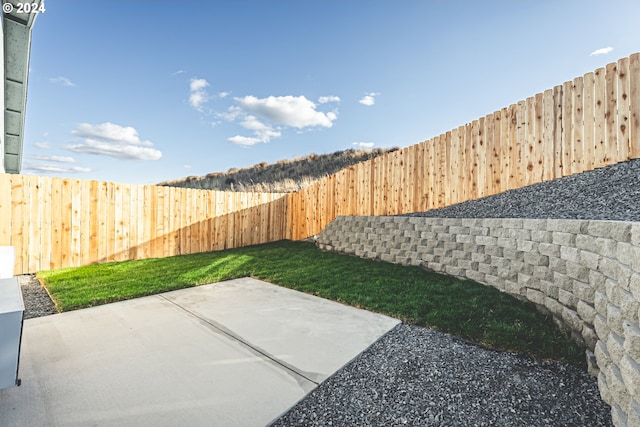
[(16, 29)]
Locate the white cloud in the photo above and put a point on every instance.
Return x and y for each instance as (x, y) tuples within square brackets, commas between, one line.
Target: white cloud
[(602, 51), (364, 144), (60, 159), (295, 111), (187, 166), (198, 95), (109, 139), (56, 168), (262, 132), (328, 99), (177, 73), (62, 80), (43, 144), (223, 94), (369, 99)]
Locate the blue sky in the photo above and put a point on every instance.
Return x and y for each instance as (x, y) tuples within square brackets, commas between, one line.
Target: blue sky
[(147, 91)]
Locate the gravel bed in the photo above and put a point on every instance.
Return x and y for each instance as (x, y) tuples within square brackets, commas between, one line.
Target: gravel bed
[(611, 193), (37, 302), (414, 376)]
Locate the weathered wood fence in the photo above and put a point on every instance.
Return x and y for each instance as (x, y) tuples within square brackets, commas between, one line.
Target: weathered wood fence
[(587, 123)]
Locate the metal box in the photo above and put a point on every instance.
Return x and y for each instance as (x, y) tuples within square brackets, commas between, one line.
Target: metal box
[(11, 318)]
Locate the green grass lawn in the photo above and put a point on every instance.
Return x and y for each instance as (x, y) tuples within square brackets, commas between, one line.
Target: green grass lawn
[(463, 308)]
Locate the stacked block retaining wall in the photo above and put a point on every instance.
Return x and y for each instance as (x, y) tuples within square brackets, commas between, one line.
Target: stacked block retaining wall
[(585, 273)]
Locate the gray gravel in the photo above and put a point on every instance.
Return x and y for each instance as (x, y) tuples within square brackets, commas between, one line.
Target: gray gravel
[(37, 302), (611, 193), (414, 376)]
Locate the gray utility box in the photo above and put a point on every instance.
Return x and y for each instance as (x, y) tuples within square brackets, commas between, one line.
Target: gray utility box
[(11, 317)]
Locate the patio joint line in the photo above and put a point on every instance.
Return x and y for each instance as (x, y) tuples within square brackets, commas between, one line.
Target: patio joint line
[(241, 341)]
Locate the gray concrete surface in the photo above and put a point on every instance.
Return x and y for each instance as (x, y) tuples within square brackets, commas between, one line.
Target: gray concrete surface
[(237, 353)]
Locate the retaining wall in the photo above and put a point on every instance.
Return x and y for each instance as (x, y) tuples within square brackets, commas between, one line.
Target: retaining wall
[(585, 273)]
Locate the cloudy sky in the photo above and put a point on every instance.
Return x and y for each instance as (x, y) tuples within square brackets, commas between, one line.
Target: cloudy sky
[(147, 91)]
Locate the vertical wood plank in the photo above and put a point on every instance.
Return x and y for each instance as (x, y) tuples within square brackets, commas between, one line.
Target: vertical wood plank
[(600, 117), (557, 126), (567, 128), (588, 129), (494, 154), (66, 214), (611, 113), (5, 209), (622, 103), (35, 224), (76, 219), (487, 156), (548, 142), (577, 156), (44, 202), (634, 105)]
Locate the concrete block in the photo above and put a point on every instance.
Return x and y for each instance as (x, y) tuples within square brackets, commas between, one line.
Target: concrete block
[(471, 222), (486, 240), (549, 249), (487, 269), (632, 339), (549, 288), (519, 234), (557, 265), (612, 291), (616, 385), (494, 281), (475, 276), (634, 285), (514, 288), (534, 224), (542, 273), (586, 311), (507, 274), (553, 305), (521, 267), (496, 251), (615, 346), (493, 222), (567, 298), (446, 237), (563, 281), (501, 263), (435, 266), (629, 306), (541, 236), (588, 259), (602, 354), (619, 416), (534, 258), (458, 229), (498, 232), (479, 231), (571, 318), (473, 248), (592, 365), (442, 252), (562, 238), (633, 413), (569, 253), (589, 335), (635, 234), (603, 387), (465, 238), (630, 370), (440, 229), (400, 219), (452, 221), (453, 246), (506, 242), (513, 254), (525, 280), (412, 234), (577, 271), (535, 296), (526, 246), (511, 222), (600, 302), (615, 319), (480, 258), (597, 279), (467, 264), (601, 327), (583, 291), (428, 235), (604, 229), (454, 270)]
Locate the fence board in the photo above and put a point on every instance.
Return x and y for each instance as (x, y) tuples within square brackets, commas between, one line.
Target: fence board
[(611, 116), (577, 141), (634, 105), (600, 157), (589, 122), (622, 103)]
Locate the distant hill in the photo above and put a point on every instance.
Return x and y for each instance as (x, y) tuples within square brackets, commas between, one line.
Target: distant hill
[(284, 176)]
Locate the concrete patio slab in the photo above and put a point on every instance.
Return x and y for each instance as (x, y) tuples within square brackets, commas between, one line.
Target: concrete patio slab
[(236, 353)]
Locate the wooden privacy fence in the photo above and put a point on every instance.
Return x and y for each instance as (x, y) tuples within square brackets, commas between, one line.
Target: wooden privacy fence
[(587, 123), (55, 222)]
